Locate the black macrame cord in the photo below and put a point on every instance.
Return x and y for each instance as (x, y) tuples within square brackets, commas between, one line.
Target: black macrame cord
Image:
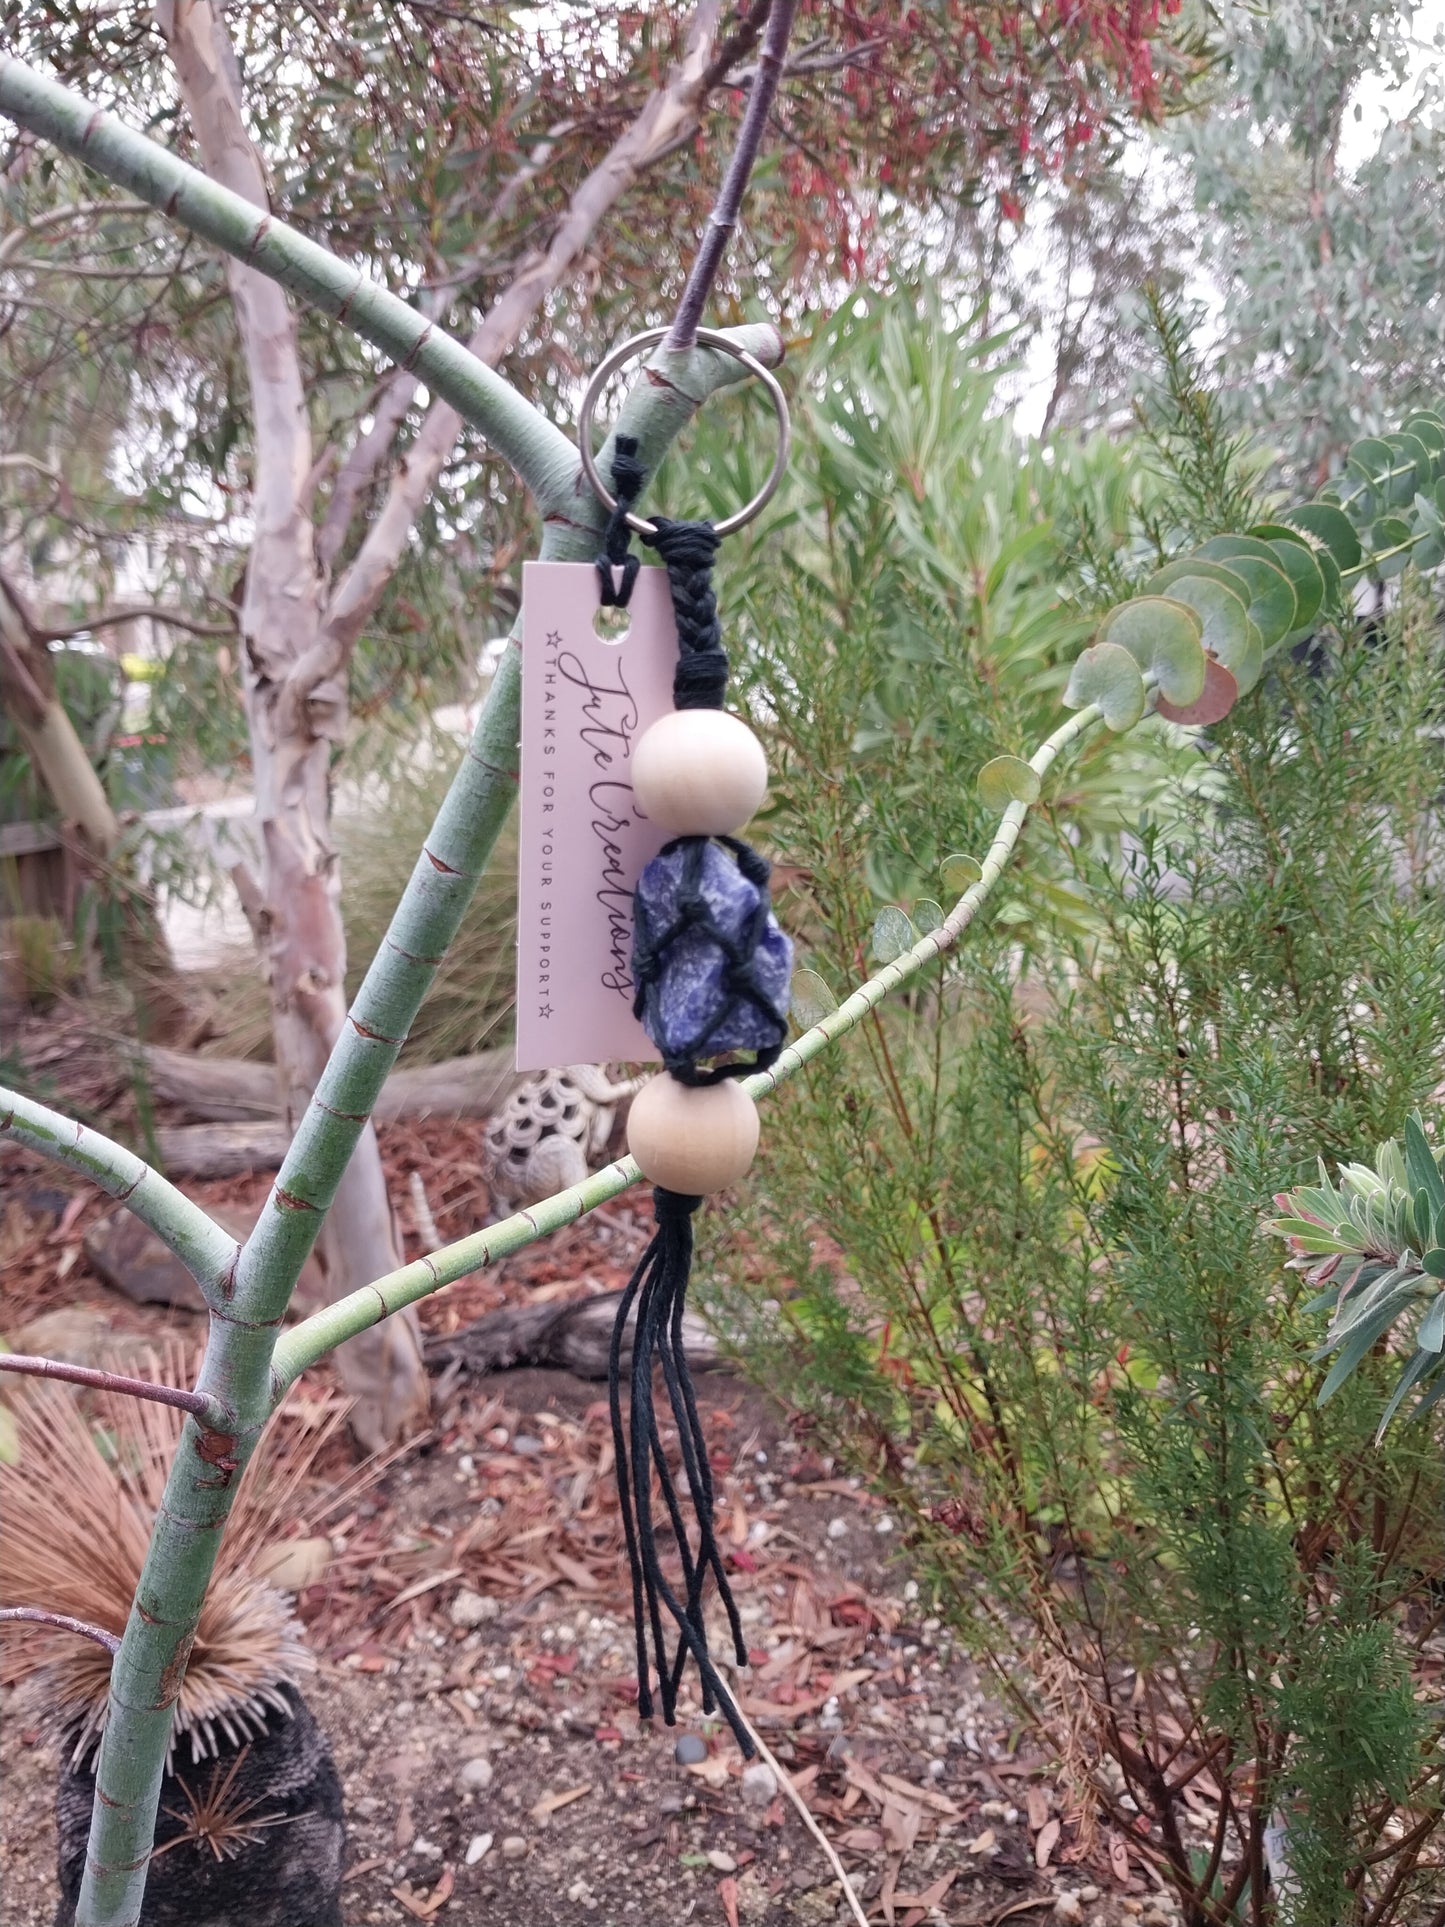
[(655, 1298)]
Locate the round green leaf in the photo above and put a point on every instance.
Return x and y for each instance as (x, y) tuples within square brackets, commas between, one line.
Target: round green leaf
[(1197, 564), (892, 934), (1273, 605), (960, 872), (927, 916), (1219, 696), (1368, 480), (1409, 449), (1007, 779), (1163, 635), (811, 999), (1333, 527), (1290, 543), (1293, 554), (1108, 675), (1388, 551), (1227, 634), (1426, 428)]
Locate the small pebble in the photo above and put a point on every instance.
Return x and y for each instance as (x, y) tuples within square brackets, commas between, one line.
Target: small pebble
[(837, 1528), (471, 1609), (1068, 1909), (723, 1862), (760, 1784), (476, 1847), (476, 1776), (885, 1524), (1088, 1895), (513, 1847), (690, 1750), (367, 1807), (529, 1448)]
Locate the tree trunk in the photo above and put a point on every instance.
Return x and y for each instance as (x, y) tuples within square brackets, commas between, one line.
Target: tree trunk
[(294, 721), (56, 753), (66, 773)]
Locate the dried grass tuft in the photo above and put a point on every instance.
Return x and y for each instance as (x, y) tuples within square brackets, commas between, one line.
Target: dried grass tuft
[(78, 1504)]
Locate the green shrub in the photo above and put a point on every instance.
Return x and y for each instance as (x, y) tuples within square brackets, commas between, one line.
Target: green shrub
[(1017, 1238)]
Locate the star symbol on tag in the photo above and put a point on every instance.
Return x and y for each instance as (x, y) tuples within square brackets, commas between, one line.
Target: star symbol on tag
[(545, 1011)]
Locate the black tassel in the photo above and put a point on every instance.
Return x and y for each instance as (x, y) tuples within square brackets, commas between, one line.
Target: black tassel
[(658, 1291)]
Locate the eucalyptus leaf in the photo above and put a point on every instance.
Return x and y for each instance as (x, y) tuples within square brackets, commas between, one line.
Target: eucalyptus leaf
[(1426, 428), (1409, 449), (1273, 605), (1163, 635), (812, 1000), (1108, 675), (1197, 563), (1227, 632), (1288, 543), (893, 934), (1334, 529), (1005, 780), (1391, 539), (960, 872), (1212, 705), (927, 916)]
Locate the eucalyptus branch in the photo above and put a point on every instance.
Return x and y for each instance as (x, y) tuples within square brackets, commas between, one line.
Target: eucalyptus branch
[(141, 611), (62, 1622), (724, 217), (333, 1324), (204, 1409), (540, 452), (206, 1251)]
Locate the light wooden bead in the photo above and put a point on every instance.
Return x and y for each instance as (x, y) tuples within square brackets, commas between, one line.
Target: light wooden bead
[(698, 772), (693, 1139)]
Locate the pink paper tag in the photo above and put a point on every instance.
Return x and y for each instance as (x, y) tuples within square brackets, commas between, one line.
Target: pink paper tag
[(583, 844)]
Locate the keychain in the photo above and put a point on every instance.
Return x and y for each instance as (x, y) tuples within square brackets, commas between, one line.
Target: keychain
[(711, 969)]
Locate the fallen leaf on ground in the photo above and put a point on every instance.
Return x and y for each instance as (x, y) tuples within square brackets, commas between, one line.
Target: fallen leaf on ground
[(931, 1896), (923, 1796), (900, 1826), (1047, 1840), (1038, 1805), (554, 1802), (727, 1893)]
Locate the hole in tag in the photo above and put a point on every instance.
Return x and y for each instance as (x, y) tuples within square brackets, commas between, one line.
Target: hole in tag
[(611, 625)]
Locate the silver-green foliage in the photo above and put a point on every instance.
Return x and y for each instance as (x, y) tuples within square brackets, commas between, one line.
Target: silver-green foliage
[(1376, 1241)]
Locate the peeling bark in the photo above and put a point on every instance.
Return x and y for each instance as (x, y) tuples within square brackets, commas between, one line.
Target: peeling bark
[(295, 723)]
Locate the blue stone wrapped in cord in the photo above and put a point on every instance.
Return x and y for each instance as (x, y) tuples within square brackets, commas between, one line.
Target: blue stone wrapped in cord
[(711, 964)]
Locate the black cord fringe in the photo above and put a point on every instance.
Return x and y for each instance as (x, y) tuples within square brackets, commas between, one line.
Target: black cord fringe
[(657, 1291)]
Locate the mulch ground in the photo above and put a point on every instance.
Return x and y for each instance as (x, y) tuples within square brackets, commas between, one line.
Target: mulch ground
[(476, 1668)]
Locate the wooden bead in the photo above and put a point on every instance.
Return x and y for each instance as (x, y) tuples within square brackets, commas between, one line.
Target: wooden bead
[(693, 1139), (698, 772)]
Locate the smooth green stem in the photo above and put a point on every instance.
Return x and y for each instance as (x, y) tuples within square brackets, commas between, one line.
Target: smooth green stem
[(206, 1251), (538, 450), (451, 862), (309, 1341)]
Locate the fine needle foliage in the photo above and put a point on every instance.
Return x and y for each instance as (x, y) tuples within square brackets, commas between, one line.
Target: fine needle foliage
[(1008, 1257)]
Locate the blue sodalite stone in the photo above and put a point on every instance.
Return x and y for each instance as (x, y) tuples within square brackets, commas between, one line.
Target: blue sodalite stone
[(703, 929)]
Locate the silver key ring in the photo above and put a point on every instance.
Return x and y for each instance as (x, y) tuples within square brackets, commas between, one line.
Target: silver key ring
[(707, 338)]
